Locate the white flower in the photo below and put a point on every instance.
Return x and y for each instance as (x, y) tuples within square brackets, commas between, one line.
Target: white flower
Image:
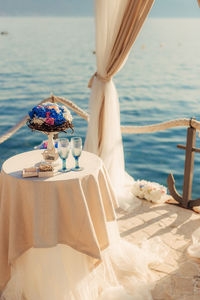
[(150, 191), (47, 104), (38, 121), (67, 115), (65, 108)]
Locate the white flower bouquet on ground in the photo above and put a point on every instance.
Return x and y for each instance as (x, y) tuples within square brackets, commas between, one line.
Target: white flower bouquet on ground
[(150, 191)]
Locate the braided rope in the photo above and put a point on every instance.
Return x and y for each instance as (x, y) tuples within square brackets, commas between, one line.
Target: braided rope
[(161, 126), (73, 107), (11, 131)]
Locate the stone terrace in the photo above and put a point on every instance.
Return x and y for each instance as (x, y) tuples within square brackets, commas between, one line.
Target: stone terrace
[(178, 278)]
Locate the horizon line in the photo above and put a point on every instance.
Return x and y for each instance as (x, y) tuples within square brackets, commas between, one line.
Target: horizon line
[(90, 16)]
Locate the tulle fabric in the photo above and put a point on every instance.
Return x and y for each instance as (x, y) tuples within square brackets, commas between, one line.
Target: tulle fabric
[(65, 274), (194, 249), (109, 15), (104, 133)]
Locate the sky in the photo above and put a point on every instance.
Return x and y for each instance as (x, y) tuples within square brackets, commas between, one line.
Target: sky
[(161, 8)]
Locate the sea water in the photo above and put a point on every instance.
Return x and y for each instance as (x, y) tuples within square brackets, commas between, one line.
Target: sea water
[(160, 82)]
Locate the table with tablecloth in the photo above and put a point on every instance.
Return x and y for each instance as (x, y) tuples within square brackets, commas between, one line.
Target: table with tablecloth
[(54, 232)]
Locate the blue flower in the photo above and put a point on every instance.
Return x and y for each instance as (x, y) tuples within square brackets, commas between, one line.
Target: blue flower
[(59, 119), (40, 112), (31, 114), (53, 113)]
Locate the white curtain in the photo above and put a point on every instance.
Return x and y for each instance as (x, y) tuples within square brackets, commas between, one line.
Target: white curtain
[(110, 149), (118, 23)]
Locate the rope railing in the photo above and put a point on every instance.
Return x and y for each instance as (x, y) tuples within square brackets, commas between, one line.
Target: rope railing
[(71, 105), (124, 129), (11, 131), (161, 126)]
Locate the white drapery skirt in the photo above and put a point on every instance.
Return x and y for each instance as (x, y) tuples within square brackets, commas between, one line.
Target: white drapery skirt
[(62, 273)]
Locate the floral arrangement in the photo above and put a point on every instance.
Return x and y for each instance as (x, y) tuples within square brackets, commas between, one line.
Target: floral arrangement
[(50, 117), (150, 191)]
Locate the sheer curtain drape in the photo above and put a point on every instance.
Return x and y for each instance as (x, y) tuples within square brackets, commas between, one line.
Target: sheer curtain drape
[(118, 23)]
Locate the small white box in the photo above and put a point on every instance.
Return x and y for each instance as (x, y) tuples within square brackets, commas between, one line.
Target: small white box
[(45, 174), (29, 173)]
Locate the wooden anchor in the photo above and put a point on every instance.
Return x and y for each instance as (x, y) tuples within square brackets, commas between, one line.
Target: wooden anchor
[(185, 200)]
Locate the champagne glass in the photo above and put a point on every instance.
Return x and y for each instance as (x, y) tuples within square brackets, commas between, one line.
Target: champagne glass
[(76, 152), (63, 151)]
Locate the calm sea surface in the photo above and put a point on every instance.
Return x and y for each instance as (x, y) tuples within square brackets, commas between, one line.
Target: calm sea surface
[(160, 82)]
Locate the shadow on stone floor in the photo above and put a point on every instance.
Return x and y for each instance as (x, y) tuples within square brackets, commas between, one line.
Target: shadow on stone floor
[(169, 217), (178, 277)]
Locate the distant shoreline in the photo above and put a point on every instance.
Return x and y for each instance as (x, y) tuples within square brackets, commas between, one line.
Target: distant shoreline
[(86, 17)]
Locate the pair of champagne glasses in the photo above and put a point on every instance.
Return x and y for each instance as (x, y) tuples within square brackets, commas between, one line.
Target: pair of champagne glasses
[(64, 149)]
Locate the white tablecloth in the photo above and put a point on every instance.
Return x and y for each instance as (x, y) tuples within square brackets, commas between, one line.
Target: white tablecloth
[(55, 231)]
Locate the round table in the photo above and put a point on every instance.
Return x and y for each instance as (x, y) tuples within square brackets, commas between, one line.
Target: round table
[(69, 210)]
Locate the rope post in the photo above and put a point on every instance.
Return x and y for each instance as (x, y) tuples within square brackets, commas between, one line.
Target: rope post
[(190, 149), (52, 99), (189, 166)]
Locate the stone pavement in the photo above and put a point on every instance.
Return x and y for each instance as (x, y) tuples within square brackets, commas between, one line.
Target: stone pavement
[(178, 277)]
